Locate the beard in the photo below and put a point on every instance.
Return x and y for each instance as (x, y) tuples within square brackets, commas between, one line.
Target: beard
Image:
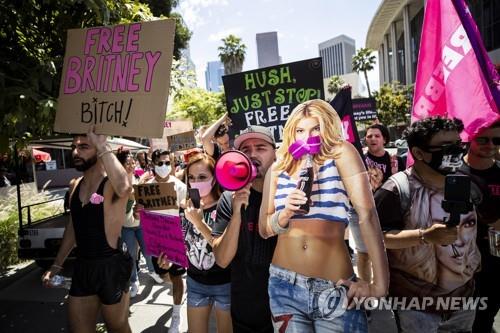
[(86, 164)]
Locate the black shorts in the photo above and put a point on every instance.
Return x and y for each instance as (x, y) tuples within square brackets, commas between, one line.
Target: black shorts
[(108, 278), (174, 270)]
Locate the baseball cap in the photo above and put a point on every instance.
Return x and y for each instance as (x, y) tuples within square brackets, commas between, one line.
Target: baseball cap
[(254, 132)]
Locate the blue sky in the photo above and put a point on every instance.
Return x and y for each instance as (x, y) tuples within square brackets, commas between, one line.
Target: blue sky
[(301, 26)]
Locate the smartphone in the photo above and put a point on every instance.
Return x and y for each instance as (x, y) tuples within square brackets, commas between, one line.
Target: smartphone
[(194, 195), (457, 188)]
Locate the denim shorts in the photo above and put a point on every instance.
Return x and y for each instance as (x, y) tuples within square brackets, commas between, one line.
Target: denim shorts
[(200, 295), (303, 304)]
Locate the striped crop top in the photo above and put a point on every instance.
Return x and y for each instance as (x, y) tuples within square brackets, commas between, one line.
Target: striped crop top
[(329, 197)]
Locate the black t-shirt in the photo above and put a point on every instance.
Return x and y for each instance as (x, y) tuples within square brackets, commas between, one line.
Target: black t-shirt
[(488, 181), (383, 163), (250, 266), (202, 267)]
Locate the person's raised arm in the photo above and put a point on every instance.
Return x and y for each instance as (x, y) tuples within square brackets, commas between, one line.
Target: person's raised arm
[(206, 139), (114, 169), (357, 184), (225, 245)]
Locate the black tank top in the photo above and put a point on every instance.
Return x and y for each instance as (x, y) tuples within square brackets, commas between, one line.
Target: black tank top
[(88, 222)]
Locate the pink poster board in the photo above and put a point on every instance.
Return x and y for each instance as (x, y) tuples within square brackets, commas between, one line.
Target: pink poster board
[(163, 233)]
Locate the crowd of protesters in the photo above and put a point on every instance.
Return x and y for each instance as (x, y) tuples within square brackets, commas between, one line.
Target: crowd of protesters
[(262, 262)]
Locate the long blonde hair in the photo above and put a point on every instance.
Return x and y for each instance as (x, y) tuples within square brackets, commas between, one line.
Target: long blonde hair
[(330, 132)]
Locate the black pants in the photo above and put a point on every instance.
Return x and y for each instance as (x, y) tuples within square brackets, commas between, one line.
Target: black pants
[(487, 286)]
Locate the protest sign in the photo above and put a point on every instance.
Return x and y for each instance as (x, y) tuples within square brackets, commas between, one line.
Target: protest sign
[(181, 141), (171, 127), (364, 109), (156, 196), (163, 234), (266, 96), (116, 78)]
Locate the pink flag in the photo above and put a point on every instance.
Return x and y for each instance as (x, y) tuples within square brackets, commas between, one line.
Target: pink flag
[(450, 82)]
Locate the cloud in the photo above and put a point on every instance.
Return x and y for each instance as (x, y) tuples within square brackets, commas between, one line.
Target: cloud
[(190, 10), (224, 33)]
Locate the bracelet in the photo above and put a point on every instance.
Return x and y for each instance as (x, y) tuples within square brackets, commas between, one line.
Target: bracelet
[(422, 236), (56, 266), (101, 154), (275, 226)]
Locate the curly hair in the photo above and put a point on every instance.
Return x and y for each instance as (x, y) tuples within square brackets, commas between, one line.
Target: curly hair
[(420, 133), (122, 155)]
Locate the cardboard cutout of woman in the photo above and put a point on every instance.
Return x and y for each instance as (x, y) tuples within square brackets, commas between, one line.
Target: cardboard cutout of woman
[(312, 281)]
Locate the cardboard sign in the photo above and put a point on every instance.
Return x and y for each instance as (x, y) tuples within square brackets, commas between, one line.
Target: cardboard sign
[(267, 96), (116, 78), (181, 141), (163, 233), (364, 109), (156, 196), (171, 127)]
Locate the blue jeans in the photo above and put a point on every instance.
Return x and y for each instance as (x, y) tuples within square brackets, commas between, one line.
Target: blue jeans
[(302, 304), (132, 236), (201, 295)]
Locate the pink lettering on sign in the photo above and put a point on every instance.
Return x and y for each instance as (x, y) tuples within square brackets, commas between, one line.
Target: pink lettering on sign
[(111, 61), (163, 233)]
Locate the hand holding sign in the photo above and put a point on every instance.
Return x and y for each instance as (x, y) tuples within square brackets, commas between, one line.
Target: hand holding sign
[(163, 235)]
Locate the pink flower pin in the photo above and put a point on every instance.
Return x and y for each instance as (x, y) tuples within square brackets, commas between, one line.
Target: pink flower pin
[(213, 214), (96, 199)]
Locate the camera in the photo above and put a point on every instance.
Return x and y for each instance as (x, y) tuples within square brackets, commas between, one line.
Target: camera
[(456, 197)]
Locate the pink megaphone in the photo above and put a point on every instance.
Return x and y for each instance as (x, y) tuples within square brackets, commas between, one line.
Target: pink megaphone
[(234, 170)]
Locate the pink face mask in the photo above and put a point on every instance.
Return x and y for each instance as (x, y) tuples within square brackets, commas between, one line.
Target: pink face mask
[(203, 187)]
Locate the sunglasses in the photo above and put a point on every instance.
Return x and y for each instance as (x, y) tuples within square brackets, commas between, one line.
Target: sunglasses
[(484, 140), (445, 147), (161, 163)]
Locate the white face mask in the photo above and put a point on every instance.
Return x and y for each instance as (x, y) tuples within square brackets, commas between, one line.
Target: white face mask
[(163, 171)]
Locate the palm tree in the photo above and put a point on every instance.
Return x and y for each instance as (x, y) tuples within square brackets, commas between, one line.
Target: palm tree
[(232, 54), (335, 84), (364, 61)]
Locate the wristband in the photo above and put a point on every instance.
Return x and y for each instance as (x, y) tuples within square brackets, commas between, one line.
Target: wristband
[(56, 266), (275, 226), (101, 154), (422, 236)]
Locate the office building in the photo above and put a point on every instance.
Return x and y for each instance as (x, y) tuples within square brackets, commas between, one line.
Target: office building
[(213, 75), (337, 55), (267, 49), (396, 28)]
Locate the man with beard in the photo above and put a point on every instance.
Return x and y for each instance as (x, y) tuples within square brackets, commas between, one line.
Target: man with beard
[(238, 242), (480, 164), (103, 267), (427, 258)]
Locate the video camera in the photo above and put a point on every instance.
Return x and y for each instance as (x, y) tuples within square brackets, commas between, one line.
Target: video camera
[(456, 198)]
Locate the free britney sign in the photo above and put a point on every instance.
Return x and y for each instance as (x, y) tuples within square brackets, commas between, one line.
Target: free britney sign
[(116, 78)]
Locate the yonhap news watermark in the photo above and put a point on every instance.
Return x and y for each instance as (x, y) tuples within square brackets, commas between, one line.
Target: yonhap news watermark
[(449, 303)]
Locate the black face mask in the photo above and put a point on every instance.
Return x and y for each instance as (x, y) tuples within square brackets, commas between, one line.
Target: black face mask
[(448, 159), (87, 164)]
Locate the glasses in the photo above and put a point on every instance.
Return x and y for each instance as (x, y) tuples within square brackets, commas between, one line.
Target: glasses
[(161, 163), (484, 140), (445, 147)]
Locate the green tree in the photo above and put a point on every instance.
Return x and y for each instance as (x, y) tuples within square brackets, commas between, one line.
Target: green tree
[(201, 106), (335, 83), (394, 102), (363, 61), (33, 36), (232, 54)]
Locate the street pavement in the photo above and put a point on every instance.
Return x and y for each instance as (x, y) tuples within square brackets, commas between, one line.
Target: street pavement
[(25, 306)]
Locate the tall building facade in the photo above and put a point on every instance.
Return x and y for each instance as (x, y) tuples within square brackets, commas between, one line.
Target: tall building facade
[(396, 28), (213, 75), (267, 49), (337, 55)]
